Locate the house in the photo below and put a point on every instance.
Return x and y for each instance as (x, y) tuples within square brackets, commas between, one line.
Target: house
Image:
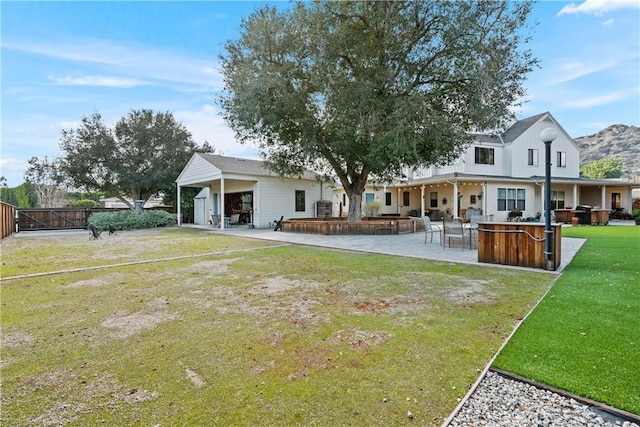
[(116, 203), (497, 174), (244, 191)]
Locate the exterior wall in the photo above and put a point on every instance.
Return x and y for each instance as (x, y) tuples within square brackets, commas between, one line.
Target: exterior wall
[(277, 198), (198, 170), (532, 199), (531, 139)]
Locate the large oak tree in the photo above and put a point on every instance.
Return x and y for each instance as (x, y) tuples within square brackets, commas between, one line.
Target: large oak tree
[(364, 89), (140, 157)]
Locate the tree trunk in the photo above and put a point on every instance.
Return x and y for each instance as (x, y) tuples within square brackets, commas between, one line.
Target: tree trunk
[(355, 206)]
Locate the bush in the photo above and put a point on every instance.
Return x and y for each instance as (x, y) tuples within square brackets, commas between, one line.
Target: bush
[(130, 220), (635, 213), (84, 203)]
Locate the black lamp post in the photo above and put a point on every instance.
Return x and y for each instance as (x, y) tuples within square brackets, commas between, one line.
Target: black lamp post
[(547, 136)]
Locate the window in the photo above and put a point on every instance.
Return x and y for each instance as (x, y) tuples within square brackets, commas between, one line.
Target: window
[(405, 198), (300, 205), (387, 199), (557, 200), (561, 160), (433, 199), (344, 199), (533, 157), (484, 156), (510, 199)]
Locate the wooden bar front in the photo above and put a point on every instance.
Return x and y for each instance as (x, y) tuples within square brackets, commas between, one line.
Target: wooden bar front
[(517, 243)]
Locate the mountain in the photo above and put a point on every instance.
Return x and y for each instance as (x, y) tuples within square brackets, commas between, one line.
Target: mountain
[(619, 141)]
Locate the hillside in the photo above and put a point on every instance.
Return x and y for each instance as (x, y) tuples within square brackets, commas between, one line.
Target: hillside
[(619, 141)]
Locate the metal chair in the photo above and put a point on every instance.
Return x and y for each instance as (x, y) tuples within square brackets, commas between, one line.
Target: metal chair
[(429, 228), (454, 229)]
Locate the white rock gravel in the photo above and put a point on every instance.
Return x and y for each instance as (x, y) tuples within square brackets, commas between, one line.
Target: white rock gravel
[(499, 401)]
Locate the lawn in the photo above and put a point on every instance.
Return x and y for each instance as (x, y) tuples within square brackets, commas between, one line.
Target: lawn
[(584, 336), (247, 335)]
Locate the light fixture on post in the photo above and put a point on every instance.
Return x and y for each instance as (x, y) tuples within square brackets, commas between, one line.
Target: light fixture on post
[(547, 136)]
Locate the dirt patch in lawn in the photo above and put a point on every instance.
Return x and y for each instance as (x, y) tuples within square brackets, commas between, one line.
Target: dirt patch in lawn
[(71, 403), (104, 280), (125, 325)]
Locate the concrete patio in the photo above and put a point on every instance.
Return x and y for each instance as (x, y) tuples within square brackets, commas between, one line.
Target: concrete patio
[(407, 245)]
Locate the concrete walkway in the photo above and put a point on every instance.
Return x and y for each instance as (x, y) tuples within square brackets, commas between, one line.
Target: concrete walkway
[(406, 245)]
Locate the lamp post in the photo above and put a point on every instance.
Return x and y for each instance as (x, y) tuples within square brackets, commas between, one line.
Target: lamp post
[(547, 136)]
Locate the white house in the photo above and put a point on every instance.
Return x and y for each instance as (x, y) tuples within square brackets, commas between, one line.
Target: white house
[(245, 191), (499, 173)]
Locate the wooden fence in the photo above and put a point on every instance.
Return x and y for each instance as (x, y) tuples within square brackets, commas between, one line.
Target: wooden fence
[(7, 220)]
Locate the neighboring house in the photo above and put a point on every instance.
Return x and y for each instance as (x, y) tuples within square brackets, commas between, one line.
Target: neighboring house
[(244, 191), (498, 174), (116, 203)]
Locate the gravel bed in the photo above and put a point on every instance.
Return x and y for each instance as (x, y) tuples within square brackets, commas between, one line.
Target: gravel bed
[(499, 401)]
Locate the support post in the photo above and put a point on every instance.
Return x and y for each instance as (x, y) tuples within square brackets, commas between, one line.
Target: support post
[(547, 136)]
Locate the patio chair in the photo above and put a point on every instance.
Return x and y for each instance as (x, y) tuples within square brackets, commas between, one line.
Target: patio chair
[(430, 228), (215, 221), (454, 229)]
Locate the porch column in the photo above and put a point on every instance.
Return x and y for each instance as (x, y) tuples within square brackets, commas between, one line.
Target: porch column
[(456, 213), (483, 204), (178, 210), (221, 203), (422, 204), (603, 197), (575, 195)]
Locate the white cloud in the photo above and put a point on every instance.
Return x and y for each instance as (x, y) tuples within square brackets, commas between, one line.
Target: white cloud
[(140, 63), (565, 70), (13, 169), (107, 81), (206, 124), (599, 7), (608, 22), (597, 101)]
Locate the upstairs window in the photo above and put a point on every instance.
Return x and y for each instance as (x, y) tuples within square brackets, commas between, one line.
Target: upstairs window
[(484, 156), (300, 205), (533, 157), (561, 160)]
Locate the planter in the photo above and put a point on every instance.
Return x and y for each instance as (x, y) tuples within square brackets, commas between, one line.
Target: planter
[(575, 221)]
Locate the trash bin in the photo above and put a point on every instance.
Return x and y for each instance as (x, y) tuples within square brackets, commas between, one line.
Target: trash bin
[(583, 212)]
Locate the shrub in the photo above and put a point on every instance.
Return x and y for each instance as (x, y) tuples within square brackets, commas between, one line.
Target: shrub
[(635, 213), (130, 220), (84, 203)]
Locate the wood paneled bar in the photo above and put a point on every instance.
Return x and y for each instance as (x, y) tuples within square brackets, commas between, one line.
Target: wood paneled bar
[(598, 216), (517, 243)]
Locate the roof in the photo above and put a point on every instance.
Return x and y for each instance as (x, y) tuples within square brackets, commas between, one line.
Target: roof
[(241, 166), (520, 127)]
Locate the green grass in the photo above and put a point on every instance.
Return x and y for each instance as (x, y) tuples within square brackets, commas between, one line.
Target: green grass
[(277, 336), (584, 336)]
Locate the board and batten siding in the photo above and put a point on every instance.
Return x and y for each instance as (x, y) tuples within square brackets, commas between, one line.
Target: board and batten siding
[(531, 139), (278, 198)]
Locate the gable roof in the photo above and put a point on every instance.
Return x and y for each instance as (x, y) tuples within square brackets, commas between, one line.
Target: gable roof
[(241, 166), (520, 127)]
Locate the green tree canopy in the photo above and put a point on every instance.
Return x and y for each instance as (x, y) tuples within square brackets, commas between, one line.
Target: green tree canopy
[(140, 157), (603, 168), (364, 89)]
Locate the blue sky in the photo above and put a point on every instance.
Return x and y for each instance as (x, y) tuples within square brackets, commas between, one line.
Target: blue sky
[(63, 60)]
